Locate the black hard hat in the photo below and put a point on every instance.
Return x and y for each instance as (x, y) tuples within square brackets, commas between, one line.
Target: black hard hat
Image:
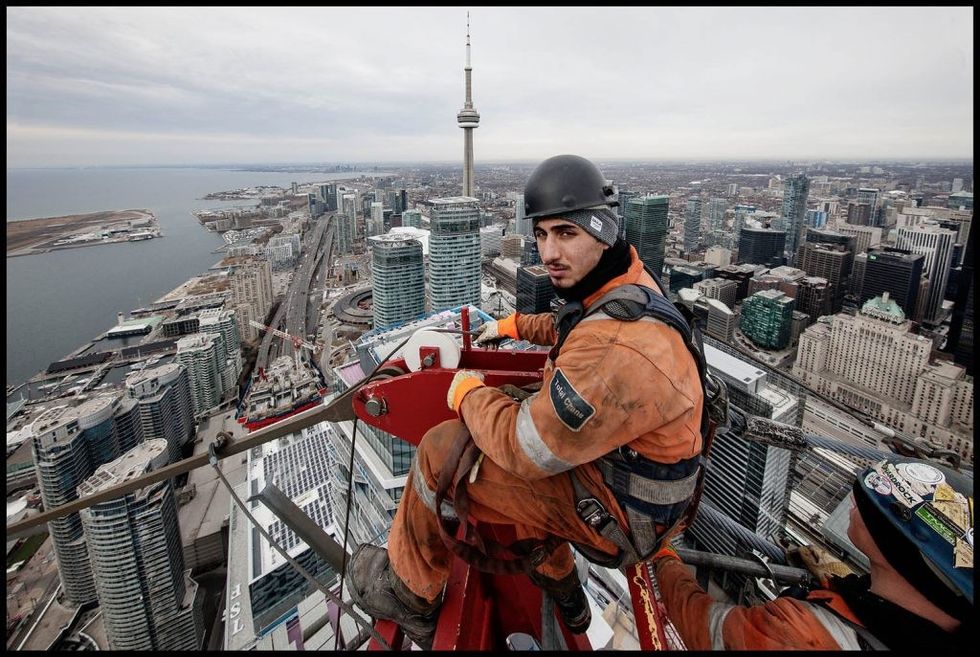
[(920, 516), (564, 183)]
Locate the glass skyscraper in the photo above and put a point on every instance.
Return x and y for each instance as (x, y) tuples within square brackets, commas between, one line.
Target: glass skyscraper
[(454, 252), (646, 229)]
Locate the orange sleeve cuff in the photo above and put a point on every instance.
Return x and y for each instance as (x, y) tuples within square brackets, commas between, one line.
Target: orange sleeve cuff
[(508, 326), (463, 387)]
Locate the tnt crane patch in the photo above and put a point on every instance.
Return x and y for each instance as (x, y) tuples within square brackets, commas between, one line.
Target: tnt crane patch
[(570, 407)]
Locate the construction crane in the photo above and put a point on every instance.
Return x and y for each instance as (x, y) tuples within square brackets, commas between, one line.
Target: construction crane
[(297, 341)]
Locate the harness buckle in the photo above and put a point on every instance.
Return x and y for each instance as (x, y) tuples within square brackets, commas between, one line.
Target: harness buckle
[(596, 517)]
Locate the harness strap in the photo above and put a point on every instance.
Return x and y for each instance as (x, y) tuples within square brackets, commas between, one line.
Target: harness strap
[(480, 552)]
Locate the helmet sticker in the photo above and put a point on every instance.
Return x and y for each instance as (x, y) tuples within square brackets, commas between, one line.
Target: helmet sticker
[(922, 476), (878, 483), (901, 489), (937, 523), (953, 505), (964, 555)]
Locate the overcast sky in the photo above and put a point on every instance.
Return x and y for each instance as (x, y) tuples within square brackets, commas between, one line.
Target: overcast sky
[(119, 86)]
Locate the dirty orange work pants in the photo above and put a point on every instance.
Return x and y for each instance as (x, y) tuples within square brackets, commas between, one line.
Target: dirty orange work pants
[(535, 508)]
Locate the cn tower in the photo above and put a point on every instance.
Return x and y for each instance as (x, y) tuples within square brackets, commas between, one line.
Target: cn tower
[(468, 119)]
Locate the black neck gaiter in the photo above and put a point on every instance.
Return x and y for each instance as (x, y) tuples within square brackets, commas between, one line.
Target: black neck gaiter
[(615, 261)]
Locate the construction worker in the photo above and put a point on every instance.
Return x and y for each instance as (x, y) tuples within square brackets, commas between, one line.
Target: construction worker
[(619, 400), (914, 522)]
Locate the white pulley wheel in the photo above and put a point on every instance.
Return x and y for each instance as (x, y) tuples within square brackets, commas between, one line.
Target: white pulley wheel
[(448, 349)]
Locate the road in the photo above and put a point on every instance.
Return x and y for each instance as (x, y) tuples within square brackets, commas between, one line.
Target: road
[(298, 312)]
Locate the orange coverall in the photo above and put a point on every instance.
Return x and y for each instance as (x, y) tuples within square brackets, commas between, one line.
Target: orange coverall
[(614, 383), (783, 623)]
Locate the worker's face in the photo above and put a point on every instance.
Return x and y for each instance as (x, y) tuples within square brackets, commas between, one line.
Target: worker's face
[(567, 251)]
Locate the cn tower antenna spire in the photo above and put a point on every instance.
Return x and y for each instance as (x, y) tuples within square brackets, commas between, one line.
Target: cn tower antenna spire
[(468, 119)]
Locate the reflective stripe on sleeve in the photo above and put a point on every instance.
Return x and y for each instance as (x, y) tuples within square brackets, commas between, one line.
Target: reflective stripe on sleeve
[(533, 446), (427, 496), (844, 635), (716, 622)]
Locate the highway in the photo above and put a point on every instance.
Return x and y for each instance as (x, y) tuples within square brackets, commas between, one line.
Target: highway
[(298, 313)]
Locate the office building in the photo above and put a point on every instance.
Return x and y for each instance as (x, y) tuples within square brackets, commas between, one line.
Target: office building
[(742, 275), (147, 598), (872, 198), (795, 191), (491, 239), (69, 443), (534, 290), (767, 319), (816, 218), (859, 214), (959, 342), (692, 224), (761, 246), (398, 279), (412, 218), (865, 237), (511, 246), (687, 275), (718, 256), (454, 252), (724, 290), (831, 261), (166, 408), (375, 222), (814, 297), (936, 244), (895, 271), (646, 229)]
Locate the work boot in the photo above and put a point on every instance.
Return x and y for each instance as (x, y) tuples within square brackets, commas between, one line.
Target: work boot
[(378, 591), (569, 597)]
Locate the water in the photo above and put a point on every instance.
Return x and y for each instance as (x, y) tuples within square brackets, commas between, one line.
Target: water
[(58, 301)]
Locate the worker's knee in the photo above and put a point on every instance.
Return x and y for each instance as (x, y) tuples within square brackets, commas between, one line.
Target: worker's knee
[(435, 444)]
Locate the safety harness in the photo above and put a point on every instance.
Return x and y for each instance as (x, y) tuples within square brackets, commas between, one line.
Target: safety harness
[(657, 498)]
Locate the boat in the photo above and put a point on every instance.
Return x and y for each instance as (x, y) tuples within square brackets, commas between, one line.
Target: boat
[(287, 387)]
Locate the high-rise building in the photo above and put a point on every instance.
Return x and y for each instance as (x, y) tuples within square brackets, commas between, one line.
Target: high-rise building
[(522, 225), (69, 443), (412, 218), (795, 191), (816, 218), (491, 239), (468, 119), (375, 224), (646, 229), (767, 318), (761, 246), (872, 198), (859, 214), (873, 363), (223, 323), (534, 290), (814, 297), (865, 237), (936, 244), (623, 197), (960, 339), (742, 275), (831, 258), (687, 275), (511, 246), (345, 220), (747, 481), (147, 598), (251, 286), (165, 405), (454, 252), (692, 224), (398, 279), (895, 271), (199, 354)]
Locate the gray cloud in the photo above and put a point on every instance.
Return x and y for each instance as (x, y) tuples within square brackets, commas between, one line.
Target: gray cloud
[(124, 85)]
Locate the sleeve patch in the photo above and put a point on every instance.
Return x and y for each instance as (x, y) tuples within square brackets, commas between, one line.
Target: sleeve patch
[(570, 407)]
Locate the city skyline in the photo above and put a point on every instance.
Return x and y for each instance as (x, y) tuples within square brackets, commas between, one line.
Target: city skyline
[(150, 86)]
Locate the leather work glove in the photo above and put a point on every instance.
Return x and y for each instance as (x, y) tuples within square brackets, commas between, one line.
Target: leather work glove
[(518, 394), (821, 564), (492, 332), (463, 382)]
